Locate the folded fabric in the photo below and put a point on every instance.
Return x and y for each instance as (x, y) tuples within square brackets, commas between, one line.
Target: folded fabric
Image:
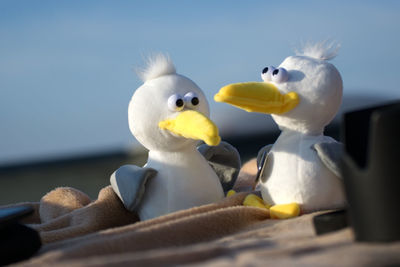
[(78, 232)]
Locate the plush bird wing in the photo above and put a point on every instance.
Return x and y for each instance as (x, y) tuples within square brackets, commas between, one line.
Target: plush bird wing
[(262, 158), (330, 154), (129, 183), (225, 160)]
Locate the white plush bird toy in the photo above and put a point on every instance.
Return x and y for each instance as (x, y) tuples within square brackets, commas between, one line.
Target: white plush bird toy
[(303, 95), (168, 115)]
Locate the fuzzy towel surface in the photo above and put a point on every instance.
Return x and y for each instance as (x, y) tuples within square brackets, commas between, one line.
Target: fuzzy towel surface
[(78, 232)]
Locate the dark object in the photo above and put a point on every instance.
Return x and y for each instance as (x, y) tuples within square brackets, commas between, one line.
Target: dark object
[(370, 171), (329, 222), (10, 215), (17, 241)]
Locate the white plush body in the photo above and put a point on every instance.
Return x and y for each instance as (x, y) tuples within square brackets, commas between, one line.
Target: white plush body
[(185, 180), (294, 173), (298, 174)]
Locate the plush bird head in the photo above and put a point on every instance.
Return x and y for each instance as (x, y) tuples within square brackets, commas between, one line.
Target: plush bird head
[(169, 111), (302, 94)]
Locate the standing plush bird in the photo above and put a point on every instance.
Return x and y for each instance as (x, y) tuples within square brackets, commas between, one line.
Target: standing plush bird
[(168, 115), (303, 95)]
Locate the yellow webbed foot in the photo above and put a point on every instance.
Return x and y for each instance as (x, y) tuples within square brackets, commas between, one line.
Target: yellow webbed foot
[(281, 211), (255, 201), (284, 211), (230, 193)]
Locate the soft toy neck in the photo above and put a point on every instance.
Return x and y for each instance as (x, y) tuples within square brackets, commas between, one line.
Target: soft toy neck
[(298, 129), (173, 158)]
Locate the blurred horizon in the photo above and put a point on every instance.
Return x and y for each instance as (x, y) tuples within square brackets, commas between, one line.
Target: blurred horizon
[(66, 67)]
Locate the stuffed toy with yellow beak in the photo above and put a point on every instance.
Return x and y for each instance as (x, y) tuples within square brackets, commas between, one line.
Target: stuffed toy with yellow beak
[(168, 115), (303, 94)]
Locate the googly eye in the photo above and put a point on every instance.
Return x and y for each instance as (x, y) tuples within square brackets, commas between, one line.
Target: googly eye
[(266, 73), (191, 99), (175, 102), (280, 75)]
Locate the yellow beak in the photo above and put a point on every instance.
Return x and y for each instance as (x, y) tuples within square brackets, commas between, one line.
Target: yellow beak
[(257, 97), (194, 125)]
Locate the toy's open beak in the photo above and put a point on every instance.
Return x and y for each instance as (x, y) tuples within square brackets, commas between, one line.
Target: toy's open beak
[(194, 125), (257, 97)]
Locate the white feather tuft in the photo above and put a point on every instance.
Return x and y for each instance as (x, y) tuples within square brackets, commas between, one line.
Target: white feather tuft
[(325, 50), (156, 65)]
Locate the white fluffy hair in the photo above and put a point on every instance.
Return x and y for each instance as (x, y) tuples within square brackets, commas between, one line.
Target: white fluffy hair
[(325, 50), (156, 65)]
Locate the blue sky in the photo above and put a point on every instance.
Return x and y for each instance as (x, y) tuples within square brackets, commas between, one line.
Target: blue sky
[(66, 67)]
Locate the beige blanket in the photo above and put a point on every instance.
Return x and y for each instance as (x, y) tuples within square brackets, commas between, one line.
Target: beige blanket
[(78, 232)]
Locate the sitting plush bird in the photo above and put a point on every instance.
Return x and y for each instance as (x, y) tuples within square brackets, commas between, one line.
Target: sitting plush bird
[(168, 115), (303, 95)]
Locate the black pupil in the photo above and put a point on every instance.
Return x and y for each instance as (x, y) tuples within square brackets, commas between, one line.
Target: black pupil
[(265, 70), (275, 72), (179, 103), (195, 101)]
